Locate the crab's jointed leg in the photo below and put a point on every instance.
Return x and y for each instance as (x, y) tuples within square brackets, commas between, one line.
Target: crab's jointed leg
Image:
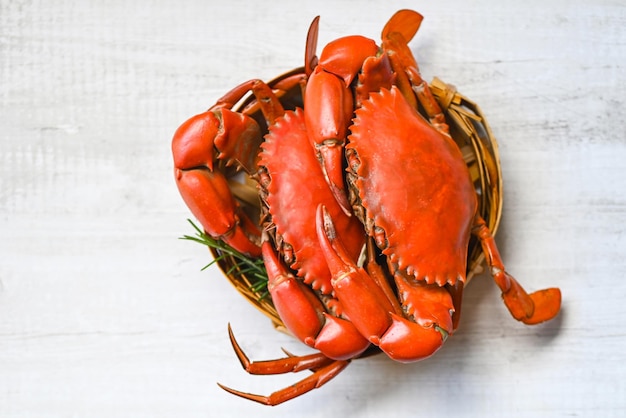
[(323, 369), (304, 315), (531, 309), (396, 35)]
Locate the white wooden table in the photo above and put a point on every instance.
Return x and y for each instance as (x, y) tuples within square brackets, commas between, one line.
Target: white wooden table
[(105, 313)]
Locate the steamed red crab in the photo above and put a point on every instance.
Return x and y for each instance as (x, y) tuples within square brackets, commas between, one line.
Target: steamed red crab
[(367, 206)]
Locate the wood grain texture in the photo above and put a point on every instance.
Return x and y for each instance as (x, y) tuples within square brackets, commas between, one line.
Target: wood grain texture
[(105, 313)]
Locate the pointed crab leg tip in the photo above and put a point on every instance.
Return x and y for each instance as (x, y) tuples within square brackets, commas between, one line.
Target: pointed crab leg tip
[(243, 359), (310, 59), (314, 27), (314, 23), (252, 397), (288, 353), (231, 335)]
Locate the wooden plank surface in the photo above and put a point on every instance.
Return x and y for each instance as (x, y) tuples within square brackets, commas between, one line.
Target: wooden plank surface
[(105, 313)]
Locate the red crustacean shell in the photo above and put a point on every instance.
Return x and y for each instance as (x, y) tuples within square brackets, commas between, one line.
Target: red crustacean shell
[(413, 183), (296, 189), (408, 186)]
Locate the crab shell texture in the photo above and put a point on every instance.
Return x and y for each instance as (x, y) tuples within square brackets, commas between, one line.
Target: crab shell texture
[(295, 189), (414, 187)]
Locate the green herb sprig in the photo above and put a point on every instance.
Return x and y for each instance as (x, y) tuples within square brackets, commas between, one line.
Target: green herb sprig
[(252, 268)]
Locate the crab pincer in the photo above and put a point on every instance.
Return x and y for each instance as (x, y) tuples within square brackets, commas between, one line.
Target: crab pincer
[(429, 306)]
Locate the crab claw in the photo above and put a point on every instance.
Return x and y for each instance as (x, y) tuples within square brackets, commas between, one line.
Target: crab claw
[(305, 316), (208, 196), (406, 341), (373, 315), (328, 113), (362, 300), (430, 307)]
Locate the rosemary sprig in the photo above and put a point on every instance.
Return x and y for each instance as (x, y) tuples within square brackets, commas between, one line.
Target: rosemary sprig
[(253, 269)]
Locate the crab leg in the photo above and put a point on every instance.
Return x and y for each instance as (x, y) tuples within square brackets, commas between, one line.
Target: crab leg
[(371, 312), (304, 315), (310, 59), (311, 382), (396, 35), (323, 369), (531, 309), (289, 364)]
